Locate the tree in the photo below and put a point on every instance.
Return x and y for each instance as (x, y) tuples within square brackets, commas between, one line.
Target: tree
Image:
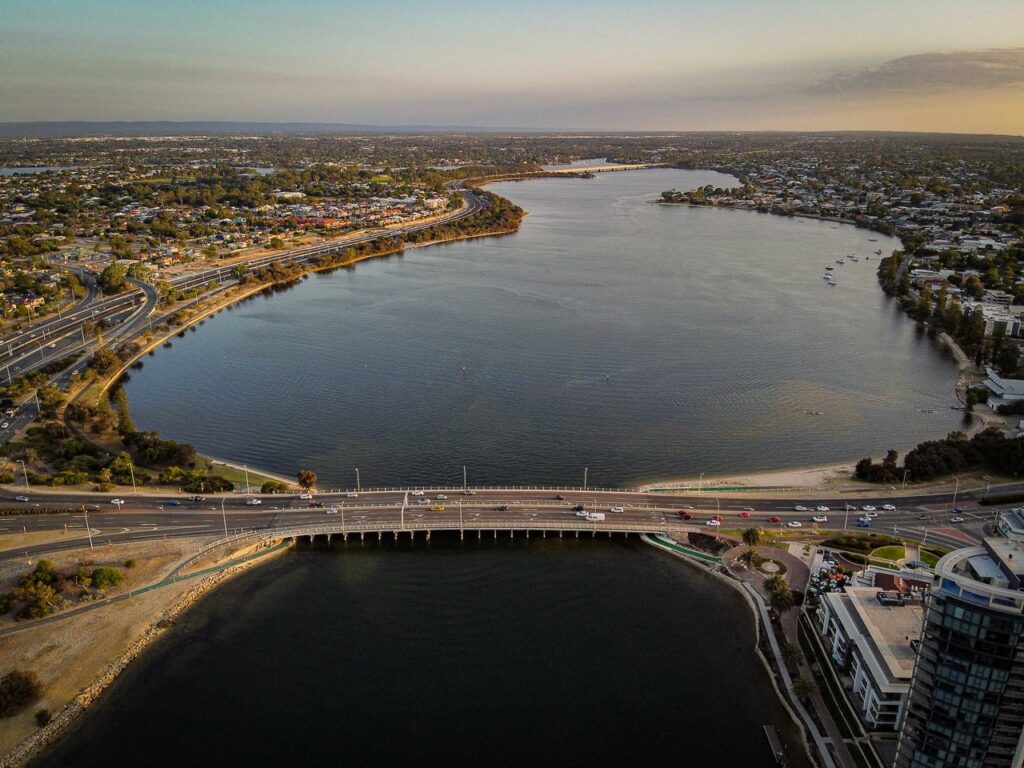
[(106, 577), (791, 655), (113, 278), (17, 691), (240, 271), (781, 601), (105, 360), (276, 243), (776, 583), (804, 687), (306, 478), (752, 537), (750, 558), (274, 486)]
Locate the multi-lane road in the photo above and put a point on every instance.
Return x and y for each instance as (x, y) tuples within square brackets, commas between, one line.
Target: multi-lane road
[(146, 517)]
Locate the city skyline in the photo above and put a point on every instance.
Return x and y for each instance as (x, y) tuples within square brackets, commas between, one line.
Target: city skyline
[(941, 67)]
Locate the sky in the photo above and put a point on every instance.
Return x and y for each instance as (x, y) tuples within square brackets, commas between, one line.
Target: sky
[(921, 65)]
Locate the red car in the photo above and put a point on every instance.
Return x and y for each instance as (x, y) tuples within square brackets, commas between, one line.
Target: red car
[(744, 514), (775, 519), (686, 515)]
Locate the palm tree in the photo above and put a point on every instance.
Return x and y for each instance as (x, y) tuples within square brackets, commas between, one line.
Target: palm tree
[(776, 583), (751, 558), (752, 537), (804, 686), (781, 601)]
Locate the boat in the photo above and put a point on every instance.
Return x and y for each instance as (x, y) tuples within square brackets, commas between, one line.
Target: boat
[(829, 268), (833, 283), (872, 239), (878, 252), (840, 261)]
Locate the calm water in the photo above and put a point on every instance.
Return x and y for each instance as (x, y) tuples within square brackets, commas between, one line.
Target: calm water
[(643, 341), (570, 653), (30, 169)]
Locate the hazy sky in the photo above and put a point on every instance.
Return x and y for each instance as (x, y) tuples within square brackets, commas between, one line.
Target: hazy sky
[(932, 65)]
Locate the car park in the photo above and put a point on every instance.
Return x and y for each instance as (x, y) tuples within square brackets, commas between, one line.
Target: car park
[(820, 519)]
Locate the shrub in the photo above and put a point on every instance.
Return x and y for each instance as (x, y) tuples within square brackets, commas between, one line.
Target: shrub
[(130, 563), (43, 717), (274, 486), (18, 690), (106, 577)]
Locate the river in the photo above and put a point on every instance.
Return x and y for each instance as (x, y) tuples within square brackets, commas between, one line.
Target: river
[(642, 341), (499, 653)]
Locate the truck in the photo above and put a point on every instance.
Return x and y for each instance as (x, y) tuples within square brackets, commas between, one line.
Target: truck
[(595, 517)]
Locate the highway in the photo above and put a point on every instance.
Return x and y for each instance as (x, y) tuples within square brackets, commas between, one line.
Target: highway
[(146, 517)]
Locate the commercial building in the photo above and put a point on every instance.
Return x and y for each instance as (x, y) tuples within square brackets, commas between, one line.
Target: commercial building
[(871, 635), (966, 703)]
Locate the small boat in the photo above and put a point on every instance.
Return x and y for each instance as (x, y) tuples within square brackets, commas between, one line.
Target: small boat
[(829, 268), (878, 252), (833, 283), (872, 239), (840, 261)]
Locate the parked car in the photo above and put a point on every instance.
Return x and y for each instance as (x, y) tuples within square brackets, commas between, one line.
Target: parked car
[(173, 502), (331, 510), (468, 492), (502, 508), (871, 514), (850, 507), (197, 498), (437, 508), (441, 496), (5, 425), (868, 508), (798, 508), (956, 519), (559, 497), (864, 519), (305, 496), (862, 523), (579, 508), (923, 516), (351, 495), (581, 512), (315, 503), (415, 493)]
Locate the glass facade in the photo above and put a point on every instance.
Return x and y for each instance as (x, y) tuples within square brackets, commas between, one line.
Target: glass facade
[(966, 706)]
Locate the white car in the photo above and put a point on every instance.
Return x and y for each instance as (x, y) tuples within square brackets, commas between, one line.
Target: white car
[(581, 513), (306, 496), (798, 508), (351, 495), (415, 493), (864, 519), (424, 500), (331, 511), (614, 509), (794, 524), (820, 519), (21, 498), (5, 425), (441, 496), (713, 523), (888, 507), (823, 509), (956, 519), (253, 502), (871, 514), (868, 508), (850, 507), (119, 502)]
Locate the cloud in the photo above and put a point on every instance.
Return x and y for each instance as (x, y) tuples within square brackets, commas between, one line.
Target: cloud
[(933, 72)]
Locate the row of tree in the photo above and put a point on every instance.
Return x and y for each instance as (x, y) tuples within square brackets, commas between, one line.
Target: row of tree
[(990, 450)]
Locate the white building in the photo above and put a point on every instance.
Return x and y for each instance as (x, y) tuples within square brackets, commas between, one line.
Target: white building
[(872, 634)]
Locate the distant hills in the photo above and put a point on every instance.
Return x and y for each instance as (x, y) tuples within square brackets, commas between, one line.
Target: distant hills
[(208, 127)]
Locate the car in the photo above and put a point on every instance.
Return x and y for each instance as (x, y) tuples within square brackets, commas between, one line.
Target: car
[(578, 508), (820, 519), (423, 500), (685, 515), (863, 523), (850, 507), (197, 498), (798, 508), (253, 502), (956, 519), (441, 496), (305, 496), (794, 524), (173, 502), (871, 514), (864, 519), (351, 495), (615, 509), (331, 511), (868, 508), (468, 492), (21, 498), (415, 493), (559, 497), (313, 503), (502, 508), (581, 512), (118, 502), (713, 522), (5, 425), (774, 519), (888, 507), (958, 510), (922, 516), (822, 509), (744, 513), (437, 508)]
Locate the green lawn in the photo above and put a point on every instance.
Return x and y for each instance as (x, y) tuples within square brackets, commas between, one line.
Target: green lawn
[(892, 553), (927, 556)]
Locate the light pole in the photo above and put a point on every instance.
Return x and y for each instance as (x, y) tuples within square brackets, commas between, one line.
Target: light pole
[(23, 469), (585, 470), (88, 530), (135, 491), (359, 485), (956, 488), (245, 467), (700, 483), (465, 485), (224, 516), (461, 522), (904, 486), (343, 516), (405, 500)]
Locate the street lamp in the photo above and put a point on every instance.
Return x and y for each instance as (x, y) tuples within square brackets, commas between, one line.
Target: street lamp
[(904, 486), (88, 530), (25, 470), (245, 468), (956, 489), (700, 483), (224, 516), (359, 485), (135, 491), (585, 470)]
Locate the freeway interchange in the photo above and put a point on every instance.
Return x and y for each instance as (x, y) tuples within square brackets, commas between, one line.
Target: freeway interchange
[(147, 517)]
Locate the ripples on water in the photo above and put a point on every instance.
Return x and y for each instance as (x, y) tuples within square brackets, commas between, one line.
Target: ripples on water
[(641, 341), (507, 653)]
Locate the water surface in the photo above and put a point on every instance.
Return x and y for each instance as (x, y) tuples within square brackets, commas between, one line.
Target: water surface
[(641, 341)]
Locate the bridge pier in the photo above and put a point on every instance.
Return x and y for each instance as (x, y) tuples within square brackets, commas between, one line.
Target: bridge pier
[(577, 533), (428, 536), (495, 534), (559, 533), (544, 533), (362, 535)]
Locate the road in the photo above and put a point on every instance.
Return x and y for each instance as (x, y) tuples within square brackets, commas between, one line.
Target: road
[(146, 517)]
